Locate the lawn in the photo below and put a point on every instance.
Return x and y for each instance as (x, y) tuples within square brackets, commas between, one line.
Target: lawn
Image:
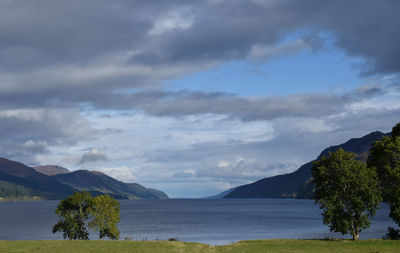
[(318, 246)]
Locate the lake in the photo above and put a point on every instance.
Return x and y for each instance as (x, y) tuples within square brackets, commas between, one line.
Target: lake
[(212, 221)]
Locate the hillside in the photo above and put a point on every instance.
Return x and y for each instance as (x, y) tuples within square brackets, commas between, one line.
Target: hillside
[(18, 181), (141, 190), (100, 182), (51, 170), (220, 195), (298, 184), (158, 193)]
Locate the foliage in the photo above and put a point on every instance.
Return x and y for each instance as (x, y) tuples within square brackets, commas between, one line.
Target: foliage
[(9, 190), (385, 159), (100, 214), (73, 212), (346, 191), (105, 217), (396, 130), (393, 234)]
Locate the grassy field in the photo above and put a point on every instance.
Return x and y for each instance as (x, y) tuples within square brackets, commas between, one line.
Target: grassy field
[(318, 246)]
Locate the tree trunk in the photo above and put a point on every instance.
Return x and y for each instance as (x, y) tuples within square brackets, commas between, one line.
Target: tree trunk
[(356, 234)]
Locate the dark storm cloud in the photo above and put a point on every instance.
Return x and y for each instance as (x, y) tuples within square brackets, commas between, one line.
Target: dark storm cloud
[(47, 32), (65, 54), (365, 29)]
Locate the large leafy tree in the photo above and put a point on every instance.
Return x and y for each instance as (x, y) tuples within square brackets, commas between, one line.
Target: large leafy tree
[(385, 159), (105, 217), (346, 191), (81, 211), (73, 213)]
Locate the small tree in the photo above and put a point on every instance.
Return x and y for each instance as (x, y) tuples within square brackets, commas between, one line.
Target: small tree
[(385, 159), (73, 213), (100, 214), (346, 192), (105, 217)]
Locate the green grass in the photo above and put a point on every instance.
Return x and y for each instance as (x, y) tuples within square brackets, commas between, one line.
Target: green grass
[(317, 246), (267, 246)]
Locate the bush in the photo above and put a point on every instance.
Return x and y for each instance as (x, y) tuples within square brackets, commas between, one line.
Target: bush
[(393, 234)]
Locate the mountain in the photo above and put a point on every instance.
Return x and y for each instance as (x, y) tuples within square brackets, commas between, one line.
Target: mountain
[(141, 190), (100, 182), (298, 184), (159, 194), (51, 170), (20, 181), (220, 195)]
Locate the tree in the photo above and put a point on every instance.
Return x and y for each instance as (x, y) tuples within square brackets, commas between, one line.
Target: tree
[(396, 130), (346, 191), (73, 213), (105, 217), (385, 159), (81, 210)]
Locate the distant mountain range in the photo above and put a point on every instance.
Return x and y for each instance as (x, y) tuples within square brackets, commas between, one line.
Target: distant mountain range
[(100, 182), (298, 184), (18, 181)]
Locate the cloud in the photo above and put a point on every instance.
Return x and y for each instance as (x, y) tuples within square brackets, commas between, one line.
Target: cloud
[(23, 151), (180, 18), (215, 152), (239, 159), (360, 28), (35, 147), (123, 173), (51, 126), (243, 169), (134, 45), (93, 155), (26, 133), (113, 58), (184, 103), (263, 53)]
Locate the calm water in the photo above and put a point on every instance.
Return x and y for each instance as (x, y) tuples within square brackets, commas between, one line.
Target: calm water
[(216, 221)]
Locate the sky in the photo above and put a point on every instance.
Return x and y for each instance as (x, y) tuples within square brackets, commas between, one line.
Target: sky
[(193, 97)]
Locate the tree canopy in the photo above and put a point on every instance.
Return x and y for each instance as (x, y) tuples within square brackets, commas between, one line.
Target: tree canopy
[(346, 191), (105, 217), (73, 212), (81, 211), (385, 159)]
